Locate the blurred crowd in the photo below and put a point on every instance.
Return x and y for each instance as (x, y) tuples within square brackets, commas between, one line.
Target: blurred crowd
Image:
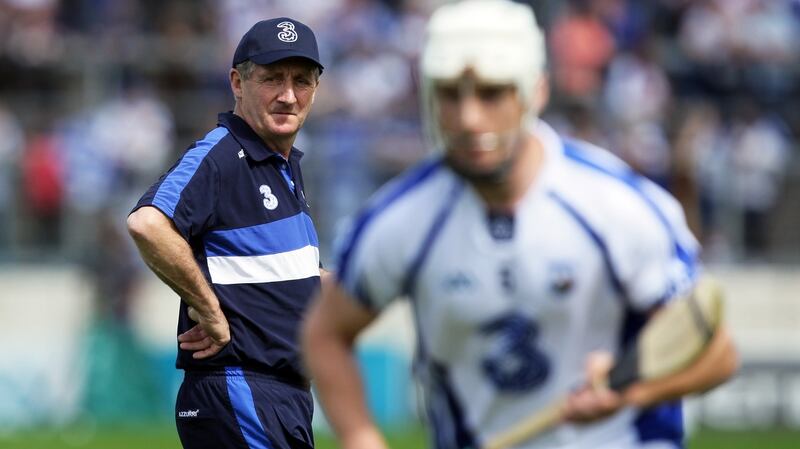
[(98, 97)]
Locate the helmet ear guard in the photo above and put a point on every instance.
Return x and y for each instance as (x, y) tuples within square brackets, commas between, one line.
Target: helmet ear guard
[(498, 40)]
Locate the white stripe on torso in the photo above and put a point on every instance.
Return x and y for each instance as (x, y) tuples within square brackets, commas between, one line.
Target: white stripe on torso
[(291, 265)]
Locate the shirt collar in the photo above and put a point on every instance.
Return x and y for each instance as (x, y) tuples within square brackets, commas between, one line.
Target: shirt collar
[(253, 146)]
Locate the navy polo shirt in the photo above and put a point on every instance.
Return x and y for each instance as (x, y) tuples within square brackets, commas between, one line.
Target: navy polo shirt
[(242, 209)]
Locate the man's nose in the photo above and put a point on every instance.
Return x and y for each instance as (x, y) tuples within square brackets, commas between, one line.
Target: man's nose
[(287, 94), (470, 112)]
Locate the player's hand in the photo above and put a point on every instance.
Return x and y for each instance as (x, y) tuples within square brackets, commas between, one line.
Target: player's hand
[(365, 438), (594, 400), (208, 337)]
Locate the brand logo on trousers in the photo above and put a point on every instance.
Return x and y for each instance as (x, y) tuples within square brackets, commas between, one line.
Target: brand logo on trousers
[(188, 413)]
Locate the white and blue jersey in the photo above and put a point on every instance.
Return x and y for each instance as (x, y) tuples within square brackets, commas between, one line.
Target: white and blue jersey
[(504, 325), (242, 209)]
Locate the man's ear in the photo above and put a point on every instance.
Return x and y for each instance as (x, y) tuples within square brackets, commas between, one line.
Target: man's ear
[(236, 83), (541, 94)]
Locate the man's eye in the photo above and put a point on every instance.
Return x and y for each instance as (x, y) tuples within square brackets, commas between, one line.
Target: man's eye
[(490, 93), (449, 93), (271, 80)]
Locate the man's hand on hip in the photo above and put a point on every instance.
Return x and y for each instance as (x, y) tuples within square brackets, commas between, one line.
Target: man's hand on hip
[(208, 337)]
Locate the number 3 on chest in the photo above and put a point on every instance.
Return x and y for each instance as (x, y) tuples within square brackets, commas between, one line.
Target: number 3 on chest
[(515, 364)]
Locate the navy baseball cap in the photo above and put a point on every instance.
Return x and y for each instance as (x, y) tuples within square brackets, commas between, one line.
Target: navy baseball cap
[(271, 40)]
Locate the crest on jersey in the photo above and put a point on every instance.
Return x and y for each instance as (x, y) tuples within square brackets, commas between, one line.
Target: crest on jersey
[(270, 200), (458, 282), (561, 277), (288, 34)]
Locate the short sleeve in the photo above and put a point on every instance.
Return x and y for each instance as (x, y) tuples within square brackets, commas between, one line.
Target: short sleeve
[(368, 266), (375, 251), (656, 256), (187, 193)]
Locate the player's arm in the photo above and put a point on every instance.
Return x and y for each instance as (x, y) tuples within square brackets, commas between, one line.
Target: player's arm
[(170, 257), (714, 365), (328, 339), (718, 363), (326, 279)]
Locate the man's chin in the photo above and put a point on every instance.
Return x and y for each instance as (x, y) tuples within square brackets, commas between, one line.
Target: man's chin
[(284, 129), (480, 173)]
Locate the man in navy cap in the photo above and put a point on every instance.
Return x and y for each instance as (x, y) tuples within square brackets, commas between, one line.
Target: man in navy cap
[(228, 229)]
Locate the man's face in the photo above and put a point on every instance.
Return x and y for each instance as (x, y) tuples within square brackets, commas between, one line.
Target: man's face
[(276, 98), (480, 123)]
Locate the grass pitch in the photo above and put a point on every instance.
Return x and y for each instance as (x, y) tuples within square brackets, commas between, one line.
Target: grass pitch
[(164, 437)]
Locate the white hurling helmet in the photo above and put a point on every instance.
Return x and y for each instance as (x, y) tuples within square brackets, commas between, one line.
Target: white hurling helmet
[(498, 39)]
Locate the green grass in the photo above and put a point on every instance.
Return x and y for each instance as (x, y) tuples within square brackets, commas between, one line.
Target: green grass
[(761, 439), (164, 437)]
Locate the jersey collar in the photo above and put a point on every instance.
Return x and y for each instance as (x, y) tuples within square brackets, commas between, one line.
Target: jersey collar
[(553, 151), (252, 144)]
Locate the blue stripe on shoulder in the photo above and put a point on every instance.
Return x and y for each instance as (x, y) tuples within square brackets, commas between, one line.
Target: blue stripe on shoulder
[(287, 234), (409, 283), (245, 409), (635, 181), (169, 192), (406, 184)]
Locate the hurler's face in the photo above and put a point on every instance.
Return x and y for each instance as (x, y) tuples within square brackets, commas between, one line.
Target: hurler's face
[(480, 124)]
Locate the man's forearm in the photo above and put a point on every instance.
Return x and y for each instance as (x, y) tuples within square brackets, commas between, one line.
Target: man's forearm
[(341, 391), (715, 365), (170, 257), (329, 331)]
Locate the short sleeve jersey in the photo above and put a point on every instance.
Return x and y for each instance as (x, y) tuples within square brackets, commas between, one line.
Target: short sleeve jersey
[(243, 211), (504, 326)]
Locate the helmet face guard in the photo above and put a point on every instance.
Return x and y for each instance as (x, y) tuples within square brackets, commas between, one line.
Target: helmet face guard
[(497, 40)]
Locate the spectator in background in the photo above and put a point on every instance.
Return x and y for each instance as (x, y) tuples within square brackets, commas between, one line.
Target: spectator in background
[(582, 47), (637, 96), (637, 89), (719, 48), (700, 169), (43, 189), (736, 44), (11, 147), (31, 33), (135, 155), (112, 264), (760, 157)]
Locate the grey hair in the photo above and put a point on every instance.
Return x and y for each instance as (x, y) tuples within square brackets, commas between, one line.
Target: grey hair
[(246, 69)]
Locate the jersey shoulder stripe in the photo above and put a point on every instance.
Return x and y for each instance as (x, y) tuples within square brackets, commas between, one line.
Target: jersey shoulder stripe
[(596, 238), (169, 192), (604, 162), (386, 197)]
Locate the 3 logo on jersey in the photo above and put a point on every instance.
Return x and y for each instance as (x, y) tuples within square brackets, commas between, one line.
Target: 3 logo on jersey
[(270, 200)]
